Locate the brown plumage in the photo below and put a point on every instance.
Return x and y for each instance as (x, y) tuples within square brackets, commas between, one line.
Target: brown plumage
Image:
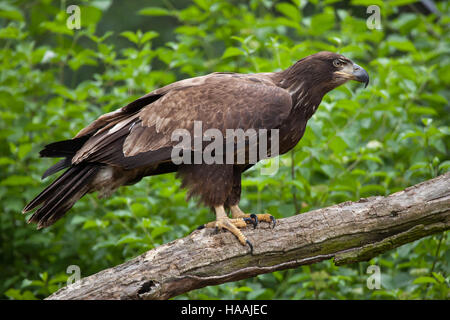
[(121, 147)]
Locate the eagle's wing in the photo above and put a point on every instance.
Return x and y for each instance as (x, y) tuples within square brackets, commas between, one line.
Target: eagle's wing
[(134, 137)]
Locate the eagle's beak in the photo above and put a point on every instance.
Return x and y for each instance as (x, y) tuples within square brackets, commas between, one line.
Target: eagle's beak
[(360, 75), (353, 72)]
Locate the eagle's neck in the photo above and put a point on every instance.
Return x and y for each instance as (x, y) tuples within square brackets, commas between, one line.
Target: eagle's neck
[(304, 97), (305, 85)]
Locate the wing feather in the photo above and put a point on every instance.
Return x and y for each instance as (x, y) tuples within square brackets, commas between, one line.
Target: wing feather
[(220, 101)]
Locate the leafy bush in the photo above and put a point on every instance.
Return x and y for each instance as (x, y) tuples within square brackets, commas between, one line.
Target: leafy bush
[(360, 143)]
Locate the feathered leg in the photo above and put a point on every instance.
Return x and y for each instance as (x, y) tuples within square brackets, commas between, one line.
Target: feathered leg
[(219, 187), (234, 197)]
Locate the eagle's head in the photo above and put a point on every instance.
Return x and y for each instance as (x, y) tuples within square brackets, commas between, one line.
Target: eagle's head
[(321, 73), (337, 69)]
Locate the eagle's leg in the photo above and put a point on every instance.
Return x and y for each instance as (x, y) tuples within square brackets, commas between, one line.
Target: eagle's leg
[(237, 213), (232, 225), (214, 184), (234, 197)]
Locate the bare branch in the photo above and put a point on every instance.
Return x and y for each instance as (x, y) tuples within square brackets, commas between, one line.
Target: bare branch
[(348, 232)]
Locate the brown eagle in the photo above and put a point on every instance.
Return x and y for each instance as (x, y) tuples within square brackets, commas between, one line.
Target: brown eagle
[(123, 146)]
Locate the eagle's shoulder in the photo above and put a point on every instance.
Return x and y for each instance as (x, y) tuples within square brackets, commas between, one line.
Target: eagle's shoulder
[(217, 96), (219, 100)]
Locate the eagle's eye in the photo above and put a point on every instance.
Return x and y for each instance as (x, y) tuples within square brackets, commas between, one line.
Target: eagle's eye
[(337, 63)]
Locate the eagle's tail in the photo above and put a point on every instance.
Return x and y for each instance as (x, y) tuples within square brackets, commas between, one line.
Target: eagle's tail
[(66, 149), (62, 194)]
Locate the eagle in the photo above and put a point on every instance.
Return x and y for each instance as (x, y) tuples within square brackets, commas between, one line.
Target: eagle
[(121, 147)]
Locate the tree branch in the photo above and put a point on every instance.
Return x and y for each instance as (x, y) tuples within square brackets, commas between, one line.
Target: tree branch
[(348, 232)]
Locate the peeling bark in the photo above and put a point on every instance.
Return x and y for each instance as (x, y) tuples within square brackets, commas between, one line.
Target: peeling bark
[(348, 232)]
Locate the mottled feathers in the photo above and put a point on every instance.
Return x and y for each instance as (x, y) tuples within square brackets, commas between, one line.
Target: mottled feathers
[(121, 147)]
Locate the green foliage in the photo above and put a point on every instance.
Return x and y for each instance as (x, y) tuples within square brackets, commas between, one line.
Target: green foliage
[(360, 143)]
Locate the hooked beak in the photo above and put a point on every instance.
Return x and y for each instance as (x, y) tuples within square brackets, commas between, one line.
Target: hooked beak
[(360, 75), (354, 72)]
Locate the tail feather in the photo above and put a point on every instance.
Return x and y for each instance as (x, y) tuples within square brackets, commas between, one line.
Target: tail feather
[(65, 148), (51, 189), (62, 194), (69, 193), (62, 164)]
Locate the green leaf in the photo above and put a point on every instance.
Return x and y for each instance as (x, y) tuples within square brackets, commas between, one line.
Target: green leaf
[(232, 52), (367, 3), (139, 209), (16, 180), (337, 144), (422, 110), (444, 166), (11, 32), (427, 121), (155, 11), (425, 279), (17, 295), (56, 27), (8, 11), (58, 279), (157, 231), (418, 166), (439, 277), (6, 161), (101, 4), (404, 45), (398, 3), (434, 98), (102, 38), (97, 223), (130, 36), (322, 22), (372, 189), (13, 294), (149, 35), (289, 11), (372, 158), (90, 16), (129, 239), (407, 135), (44, 276), (244, 289)]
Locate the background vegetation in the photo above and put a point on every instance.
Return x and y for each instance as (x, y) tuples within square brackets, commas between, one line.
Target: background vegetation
[(360, 143)]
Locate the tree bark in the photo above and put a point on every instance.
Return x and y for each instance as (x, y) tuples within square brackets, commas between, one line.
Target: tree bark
[(348, 232)]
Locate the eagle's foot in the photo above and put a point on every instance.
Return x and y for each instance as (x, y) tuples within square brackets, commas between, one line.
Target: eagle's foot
[(223, 222), (233, 226), (237, 213), (264, 217)]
